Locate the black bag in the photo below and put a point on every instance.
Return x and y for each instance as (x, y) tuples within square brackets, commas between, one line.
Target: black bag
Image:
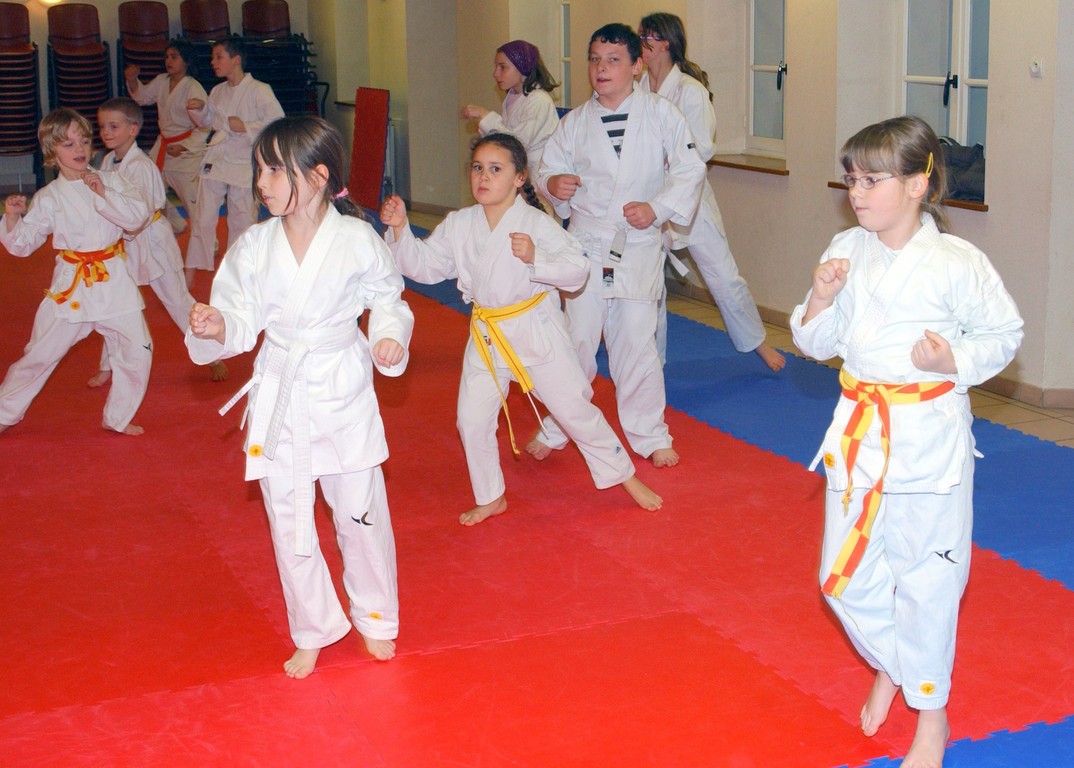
[(965, 168)]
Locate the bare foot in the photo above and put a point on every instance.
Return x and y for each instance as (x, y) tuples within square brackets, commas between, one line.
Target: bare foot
[(133, 429), (99, 379), (218, 371), (537, 449), (772, 357), (381, 650), (930, 740), (641, 494), (484, 511), (875, 710), (664, 457), (302, 663)]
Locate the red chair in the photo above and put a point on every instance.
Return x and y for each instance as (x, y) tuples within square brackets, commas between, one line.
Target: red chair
[(73, 28), (205, 19), (143, 22), (14, 28), (266, 18)]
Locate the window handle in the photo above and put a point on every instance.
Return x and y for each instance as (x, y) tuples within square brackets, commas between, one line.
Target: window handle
[(781, 70), (948, 84)]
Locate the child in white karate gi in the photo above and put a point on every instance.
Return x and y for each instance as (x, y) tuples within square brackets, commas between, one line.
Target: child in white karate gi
[(153, 256), (509, 257), (528, 110), (235, 112), (918, 317), (180, 145), (304, 278), (670, 74), (86, 212), (620, 166)]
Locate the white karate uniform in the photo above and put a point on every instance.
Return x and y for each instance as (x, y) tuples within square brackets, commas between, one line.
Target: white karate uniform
[(81, 220), (531, 118), (180, 172), (704, 237), (900, 608), (153, 256), (226, 170), (658, 165), (488, 274), (312, 410)]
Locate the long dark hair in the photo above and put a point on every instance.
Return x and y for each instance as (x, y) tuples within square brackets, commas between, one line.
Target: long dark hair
[(901, 146), (186, 53), (518, 160), (668, 27), (540, 77), (300, 143)]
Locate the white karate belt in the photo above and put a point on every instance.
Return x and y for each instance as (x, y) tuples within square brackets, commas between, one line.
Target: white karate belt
[(285, 372)]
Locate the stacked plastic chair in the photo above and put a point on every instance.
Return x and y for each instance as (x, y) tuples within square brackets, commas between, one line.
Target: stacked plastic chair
[(19, 93), (266, 18), (143, 39), (79, 69), (280, 58), (205, 20)]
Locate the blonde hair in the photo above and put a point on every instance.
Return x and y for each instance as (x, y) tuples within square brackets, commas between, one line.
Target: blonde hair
[(53, 131), (902, 146), (125, 106)]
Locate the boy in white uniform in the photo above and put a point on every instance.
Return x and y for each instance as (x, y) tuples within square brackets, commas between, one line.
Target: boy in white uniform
[(620, 166), (235, 113), (86, 213), (153, 256)]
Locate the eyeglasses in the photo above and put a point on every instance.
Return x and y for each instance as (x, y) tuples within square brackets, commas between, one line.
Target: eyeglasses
[(867, 182)]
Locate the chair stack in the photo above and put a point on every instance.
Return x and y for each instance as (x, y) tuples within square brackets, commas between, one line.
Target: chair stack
[(204, 20), (19, 92), (79, 70), (280, 58), (143, 39), (266, 18)]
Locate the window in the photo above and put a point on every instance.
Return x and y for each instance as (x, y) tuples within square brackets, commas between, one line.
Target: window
[(946, 66), (565, 54), (768, 77)]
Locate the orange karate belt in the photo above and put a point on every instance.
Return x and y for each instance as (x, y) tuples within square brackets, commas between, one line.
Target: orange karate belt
[(871, 398), (490, 317), (91, 268), (165, 141)]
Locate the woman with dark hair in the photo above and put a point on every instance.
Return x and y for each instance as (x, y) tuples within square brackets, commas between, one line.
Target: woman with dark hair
[(671, 75)]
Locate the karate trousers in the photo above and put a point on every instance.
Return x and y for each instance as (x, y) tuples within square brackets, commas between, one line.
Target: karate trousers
[(241, 213), (565, 391), (900, 608), (171, 289), (359, 507), (52, 336), (629, 330)]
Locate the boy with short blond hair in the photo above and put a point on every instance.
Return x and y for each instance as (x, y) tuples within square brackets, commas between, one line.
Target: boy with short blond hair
[(86, 212)]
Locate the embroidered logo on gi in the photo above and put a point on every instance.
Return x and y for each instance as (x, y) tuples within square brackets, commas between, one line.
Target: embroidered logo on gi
[(363, 521), (946, 555), (928, 688), (254, 450), (75, 305), (148, 347), (829, 461), (375, 615)]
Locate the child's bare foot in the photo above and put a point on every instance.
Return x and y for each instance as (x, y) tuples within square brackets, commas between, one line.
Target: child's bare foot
[(664, 457), (537, 449), (218, 371), (772, 357), (641, 493), (381, 650), (133, 429), (484, 511), (99, 379), (302, 663), (875, 710), (930, 740)]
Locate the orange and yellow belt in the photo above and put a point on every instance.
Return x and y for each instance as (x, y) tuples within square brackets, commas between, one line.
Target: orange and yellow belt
[(491, 318), (165, 141), (90, 268), (871, 398)]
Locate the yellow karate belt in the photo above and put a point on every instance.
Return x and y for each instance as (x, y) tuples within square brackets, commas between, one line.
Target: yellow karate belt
[(91, 268), (491, 318), (869, 397)]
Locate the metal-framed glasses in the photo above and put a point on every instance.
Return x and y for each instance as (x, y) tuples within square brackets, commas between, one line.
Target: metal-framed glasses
[(867, 182)]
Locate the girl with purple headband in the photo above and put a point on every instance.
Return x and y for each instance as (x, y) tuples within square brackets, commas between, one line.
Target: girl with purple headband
[(528, 110)]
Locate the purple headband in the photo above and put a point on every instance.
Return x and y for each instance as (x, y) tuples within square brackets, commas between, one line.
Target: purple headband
[(521, 54)]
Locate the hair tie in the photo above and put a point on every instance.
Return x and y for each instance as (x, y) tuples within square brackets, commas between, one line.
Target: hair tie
[(928, 168), (342, 193)]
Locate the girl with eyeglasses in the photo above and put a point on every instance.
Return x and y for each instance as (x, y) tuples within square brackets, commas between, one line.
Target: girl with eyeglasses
[(918, 317)]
